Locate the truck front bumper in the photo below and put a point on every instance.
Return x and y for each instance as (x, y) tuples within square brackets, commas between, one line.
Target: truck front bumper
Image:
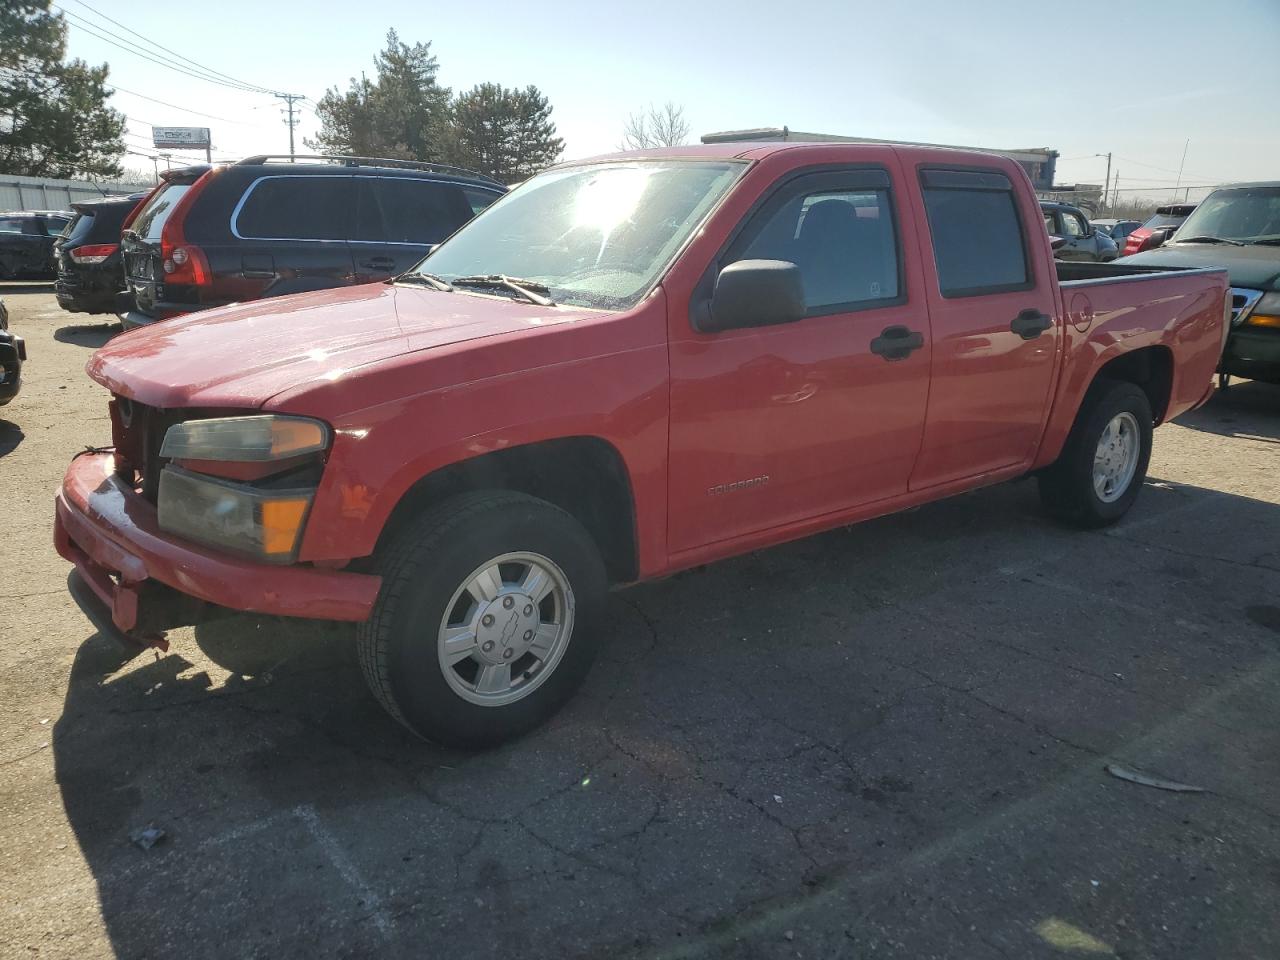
[(111, 534), (1254, 354)]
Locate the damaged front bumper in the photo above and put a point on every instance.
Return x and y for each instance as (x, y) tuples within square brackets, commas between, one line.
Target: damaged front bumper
[(148, 581)]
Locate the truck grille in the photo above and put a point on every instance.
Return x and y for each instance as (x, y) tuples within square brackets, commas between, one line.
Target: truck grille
[(1243, 301), (138, 431)]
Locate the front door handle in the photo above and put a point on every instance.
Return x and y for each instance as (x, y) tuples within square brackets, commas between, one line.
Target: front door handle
[(379, 263), (897, 343), (1030, 323)]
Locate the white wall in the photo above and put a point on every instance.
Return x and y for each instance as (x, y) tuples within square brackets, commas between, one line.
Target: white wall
[(40, 193)]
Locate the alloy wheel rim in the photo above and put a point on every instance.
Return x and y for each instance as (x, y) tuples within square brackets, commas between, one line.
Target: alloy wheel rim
[(1115, 461), (505, 629)]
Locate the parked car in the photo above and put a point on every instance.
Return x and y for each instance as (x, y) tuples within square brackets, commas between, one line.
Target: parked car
[(624, 368), (1117, 230), (13, 353), (1157, 229), (259, 228), (1237, 227), (26, 243), (87, 255), (1083, 241)]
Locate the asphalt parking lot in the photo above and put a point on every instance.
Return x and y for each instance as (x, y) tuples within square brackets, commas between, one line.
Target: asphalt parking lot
[(887, 741)]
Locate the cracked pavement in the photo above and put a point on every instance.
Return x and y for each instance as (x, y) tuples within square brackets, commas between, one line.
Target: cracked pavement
[(886, 741)]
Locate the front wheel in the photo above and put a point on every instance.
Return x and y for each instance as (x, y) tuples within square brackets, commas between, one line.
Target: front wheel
[(487, 620), (1104, 461)]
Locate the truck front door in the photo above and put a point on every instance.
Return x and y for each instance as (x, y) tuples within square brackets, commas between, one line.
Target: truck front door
[(773, 425), (995, 334)]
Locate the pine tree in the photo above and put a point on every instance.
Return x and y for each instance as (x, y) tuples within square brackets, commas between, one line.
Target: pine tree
[(54, 117), (507, 134), (403, 113)]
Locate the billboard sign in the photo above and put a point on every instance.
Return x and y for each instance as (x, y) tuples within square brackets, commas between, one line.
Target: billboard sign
[(181, 138)]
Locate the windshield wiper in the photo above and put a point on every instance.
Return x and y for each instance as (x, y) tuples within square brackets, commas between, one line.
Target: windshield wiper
[(531, 290), (426, 279), (1234, 243), (1266, 241)]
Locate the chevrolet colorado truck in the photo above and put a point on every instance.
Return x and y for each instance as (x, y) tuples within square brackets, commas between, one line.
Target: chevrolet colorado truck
[(625, 367)]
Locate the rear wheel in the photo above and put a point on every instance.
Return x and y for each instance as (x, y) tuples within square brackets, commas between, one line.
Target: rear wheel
[(487, 620), (1104, 462)]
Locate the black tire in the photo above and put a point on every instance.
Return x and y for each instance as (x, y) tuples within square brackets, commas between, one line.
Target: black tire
[(1066, 487), (423, 567)]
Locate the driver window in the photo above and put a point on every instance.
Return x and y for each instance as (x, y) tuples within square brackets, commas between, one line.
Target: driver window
[(841, 239), (1073, 224)]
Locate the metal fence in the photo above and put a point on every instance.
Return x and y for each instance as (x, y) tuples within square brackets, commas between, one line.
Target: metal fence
[(41, 193)]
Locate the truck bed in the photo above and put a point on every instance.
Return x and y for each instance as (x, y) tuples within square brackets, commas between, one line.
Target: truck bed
[(1082, 271)]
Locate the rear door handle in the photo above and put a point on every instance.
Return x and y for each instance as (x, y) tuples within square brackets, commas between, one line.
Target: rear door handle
[(897, 343), (1030, 323)]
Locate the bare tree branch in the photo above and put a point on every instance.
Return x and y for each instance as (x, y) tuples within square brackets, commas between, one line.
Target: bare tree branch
[(663, 126)]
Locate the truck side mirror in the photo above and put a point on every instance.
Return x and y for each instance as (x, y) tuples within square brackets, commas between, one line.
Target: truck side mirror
[(1057, 243), (755, 293)]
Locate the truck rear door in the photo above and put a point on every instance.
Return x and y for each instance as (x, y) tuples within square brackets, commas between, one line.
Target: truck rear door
[(993, 309), (777, 424)]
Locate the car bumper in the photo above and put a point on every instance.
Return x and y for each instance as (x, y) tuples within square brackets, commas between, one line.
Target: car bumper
[(1252, 354), (111, 534), (13, 351), (84, 296)]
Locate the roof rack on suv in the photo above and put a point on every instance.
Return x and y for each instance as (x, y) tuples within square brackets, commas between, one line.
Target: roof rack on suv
[(373, 162)]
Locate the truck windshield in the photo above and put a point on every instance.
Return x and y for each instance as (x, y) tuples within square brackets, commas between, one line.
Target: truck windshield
[(597, 235), (1249, 213)]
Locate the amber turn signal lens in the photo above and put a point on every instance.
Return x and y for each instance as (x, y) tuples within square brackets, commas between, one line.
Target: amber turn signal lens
[(1262, 320), (281, 523)]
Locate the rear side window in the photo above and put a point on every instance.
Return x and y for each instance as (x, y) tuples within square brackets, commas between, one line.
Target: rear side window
[(295, 208), (11, 224), (152, 219), (404, 210), (978, 242), (479, 199)]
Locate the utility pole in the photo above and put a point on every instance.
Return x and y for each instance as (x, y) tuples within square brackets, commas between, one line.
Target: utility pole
[(290, 99), (1115, 194), (1107, 188)]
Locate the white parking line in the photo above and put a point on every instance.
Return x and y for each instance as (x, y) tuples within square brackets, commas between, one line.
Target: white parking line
[(338, 857)]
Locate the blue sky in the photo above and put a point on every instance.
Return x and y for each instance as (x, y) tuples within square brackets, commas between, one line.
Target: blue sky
[(1138, 78)]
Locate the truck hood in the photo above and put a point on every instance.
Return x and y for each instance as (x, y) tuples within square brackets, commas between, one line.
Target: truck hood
[(1255, 267), (244, 354)]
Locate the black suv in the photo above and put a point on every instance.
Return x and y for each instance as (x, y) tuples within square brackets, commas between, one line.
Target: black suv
[(262, 228), (26, 243), (87, 255)]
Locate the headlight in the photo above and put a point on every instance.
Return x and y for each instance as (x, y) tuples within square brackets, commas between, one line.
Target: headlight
[(265, 524), (247, 439), (1266, 312)]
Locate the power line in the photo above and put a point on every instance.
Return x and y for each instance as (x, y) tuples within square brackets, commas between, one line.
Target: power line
[(161, 46), (165, 103), (129, 47)]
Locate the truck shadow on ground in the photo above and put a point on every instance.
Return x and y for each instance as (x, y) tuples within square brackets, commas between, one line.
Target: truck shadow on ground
[(846, 738), (91, 335), (1249, 409)]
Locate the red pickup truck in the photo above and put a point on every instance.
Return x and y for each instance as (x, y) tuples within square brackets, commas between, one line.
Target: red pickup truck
[(625, 367)]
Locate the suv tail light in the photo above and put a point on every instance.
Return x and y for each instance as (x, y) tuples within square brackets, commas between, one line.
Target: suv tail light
[(93, 252), (184, 262)]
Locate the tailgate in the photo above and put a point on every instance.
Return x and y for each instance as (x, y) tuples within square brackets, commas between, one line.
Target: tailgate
[(143, 272)]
